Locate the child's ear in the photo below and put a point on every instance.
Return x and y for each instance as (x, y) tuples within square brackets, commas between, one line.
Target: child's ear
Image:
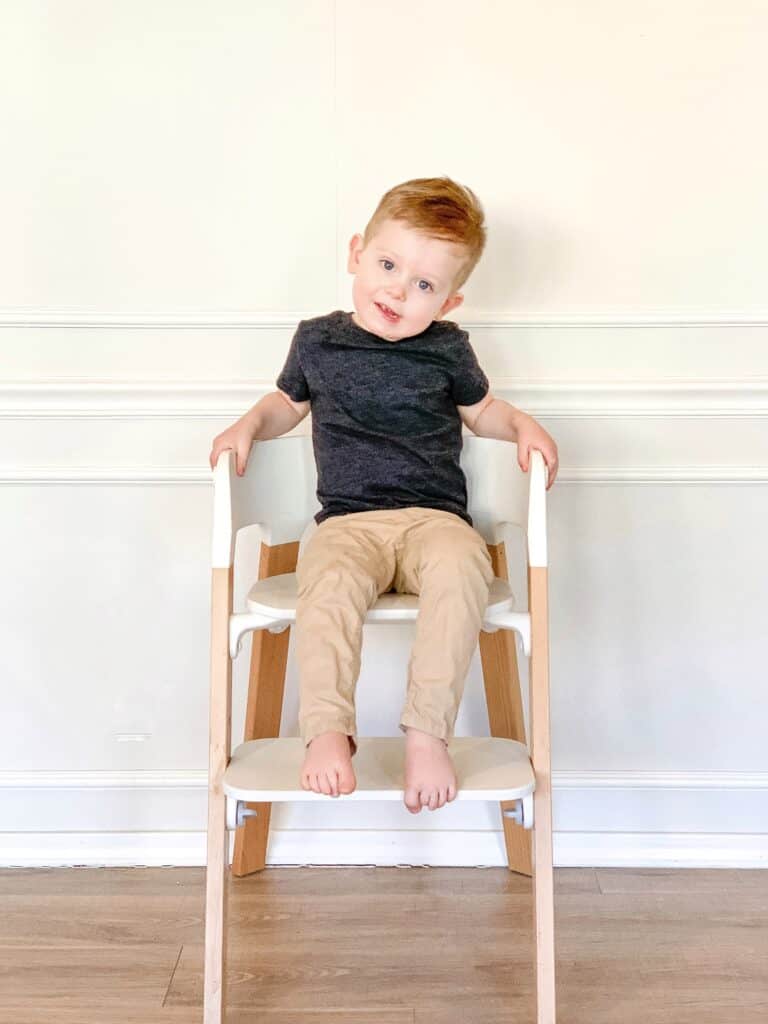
[(355, 248), (451, 303)]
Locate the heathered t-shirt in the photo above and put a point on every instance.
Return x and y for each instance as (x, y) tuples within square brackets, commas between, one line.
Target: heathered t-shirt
[(385, 428)]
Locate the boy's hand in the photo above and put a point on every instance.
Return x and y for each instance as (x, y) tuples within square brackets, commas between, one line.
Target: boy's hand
[(238, 438), (531, 435)]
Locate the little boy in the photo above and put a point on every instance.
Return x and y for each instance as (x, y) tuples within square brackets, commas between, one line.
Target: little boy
[(389, 386)]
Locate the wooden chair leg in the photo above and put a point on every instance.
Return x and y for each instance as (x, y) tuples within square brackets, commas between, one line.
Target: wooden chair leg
[(214, 1008), (503, 698), (264, 708), (543, 872)]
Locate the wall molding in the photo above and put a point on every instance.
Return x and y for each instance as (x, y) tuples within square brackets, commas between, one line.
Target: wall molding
[(102, 398), (279, 319), (197, 778), (169, 475), (386, 848), (655, 798)]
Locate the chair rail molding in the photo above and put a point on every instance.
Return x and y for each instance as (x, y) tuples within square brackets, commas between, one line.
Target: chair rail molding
[(167, 475), (101, 398), (270, 319)]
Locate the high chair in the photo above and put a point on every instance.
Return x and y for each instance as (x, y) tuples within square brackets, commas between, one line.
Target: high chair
[(278, 492)]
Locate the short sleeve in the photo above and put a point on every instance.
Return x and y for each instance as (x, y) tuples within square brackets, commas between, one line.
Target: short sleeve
[(292, 380), (469, 383)]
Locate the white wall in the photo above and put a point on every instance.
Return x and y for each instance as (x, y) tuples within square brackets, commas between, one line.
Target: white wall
[(178, 186)]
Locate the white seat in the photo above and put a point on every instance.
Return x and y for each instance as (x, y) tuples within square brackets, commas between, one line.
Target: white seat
[(276, 596), (271, 605)]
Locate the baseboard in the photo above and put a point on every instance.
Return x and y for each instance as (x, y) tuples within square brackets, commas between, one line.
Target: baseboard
[(620, 818), (387, 848)]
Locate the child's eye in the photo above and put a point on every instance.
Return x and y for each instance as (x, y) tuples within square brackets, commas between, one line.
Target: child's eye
[(428, 286), (387, 264)]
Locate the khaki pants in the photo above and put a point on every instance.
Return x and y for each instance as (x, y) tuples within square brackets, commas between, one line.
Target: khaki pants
[(346, 564)]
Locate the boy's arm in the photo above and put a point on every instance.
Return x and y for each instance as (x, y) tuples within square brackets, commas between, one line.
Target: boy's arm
[(498, 418), (275, 414), (300, 408), (493, 417)]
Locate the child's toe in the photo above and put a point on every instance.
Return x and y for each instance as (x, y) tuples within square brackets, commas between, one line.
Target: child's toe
[(412, 799)]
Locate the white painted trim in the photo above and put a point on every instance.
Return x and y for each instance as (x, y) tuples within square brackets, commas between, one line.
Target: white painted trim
[(167, 475), (644, 846), (81, 397), (390, 847), (654, 850), (197, 778), (719, 780), (184, 778), (269, 319), (140, 475)]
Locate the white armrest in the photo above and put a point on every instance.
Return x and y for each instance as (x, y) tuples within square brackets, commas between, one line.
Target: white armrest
[(537, 510), (223, 533)]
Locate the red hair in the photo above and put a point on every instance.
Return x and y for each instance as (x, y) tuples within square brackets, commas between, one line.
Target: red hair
[(440, 208)]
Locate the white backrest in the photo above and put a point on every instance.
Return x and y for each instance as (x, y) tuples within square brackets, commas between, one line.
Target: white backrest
[(278, 491)]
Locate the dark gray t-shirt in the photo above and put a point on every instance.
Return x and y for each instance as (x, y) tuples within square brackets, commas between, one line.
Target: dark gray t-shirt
[(385, 427)]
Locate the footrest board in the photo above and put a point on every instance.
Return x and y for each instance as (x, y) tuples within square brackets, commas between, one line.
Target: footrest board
[(487, 768)]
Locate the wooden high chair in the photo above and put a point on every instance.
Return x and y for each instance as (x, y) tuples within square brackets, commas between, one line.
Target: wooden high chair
[(278, 492)]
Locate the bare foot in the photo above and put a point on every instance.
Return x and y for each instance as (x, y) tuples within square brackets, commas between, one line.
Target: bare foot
[(430, 779), (327, 765)]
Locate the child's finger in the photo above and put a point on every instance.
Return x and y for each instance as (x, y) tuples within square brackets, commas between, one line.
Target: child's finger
[(216, 453)]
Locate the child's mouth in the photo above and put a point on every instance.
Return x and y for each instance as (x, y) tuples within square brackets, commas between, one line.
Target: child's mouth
[(387, 313)]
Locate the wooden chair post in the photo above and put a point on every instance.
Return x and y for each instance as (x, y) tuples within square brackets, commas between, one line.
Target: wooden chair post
[(543, 873), (264, 708), (214, 1007), (503, 697)]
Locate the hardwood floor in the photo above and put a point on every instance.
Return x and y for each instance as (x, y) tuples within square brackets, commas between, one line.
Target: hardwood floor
[(371, 945)]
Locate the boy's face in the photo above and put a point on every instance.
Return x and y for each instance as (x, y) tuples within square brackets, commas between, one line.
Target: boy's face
[(403, 280)]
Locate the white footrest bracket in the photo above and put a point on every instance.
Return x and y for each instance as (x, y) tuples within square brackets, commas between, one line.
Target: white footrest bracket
[(238, 812)]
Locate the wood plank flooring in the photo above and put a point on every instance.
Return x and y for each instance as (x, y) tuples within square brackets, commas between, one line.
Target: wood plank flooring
[(365, 945)]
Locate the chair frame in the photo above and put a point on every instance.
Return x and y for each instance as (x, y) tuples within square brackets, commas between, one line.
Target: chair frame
[(225, 527)]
